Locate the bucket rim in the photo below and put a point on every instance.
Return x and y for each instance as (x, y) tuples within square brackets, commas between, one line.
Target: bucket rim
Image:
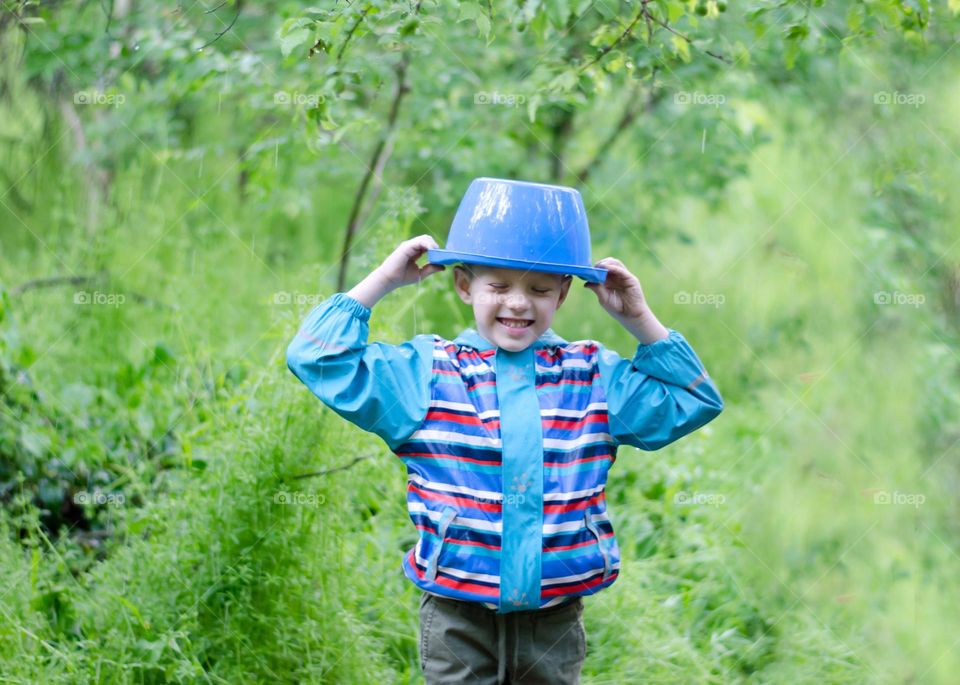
[(587, 273)]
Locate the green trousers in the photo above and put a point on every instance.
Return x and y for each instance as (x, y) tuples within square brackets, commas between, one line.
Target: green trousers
[(464, 642)]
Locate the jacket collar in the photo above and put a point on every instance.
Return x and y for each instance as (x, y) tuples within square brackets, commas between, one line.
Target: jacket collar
[(472, 338)]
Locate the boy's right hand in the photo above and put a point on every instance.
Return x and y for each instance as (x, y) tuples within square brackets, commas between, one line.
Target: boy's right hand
[(400, 268)]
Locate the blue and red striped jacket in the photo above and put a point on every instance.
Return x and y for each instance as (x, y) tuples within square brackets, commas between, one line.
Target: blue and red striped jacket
[(507, 453)]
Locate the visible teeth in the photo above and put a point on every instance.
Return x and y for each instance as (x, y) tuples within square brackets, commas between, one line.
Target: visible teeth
[(515, 324)]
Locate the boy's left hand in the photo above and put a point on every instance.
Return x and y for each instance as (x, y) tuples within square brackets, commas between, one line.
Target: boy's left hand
[(621, 294)]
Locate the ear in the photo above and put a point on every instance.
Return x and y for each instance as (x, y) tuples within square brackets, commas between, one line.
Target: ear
[(461, 283), (564, 289)]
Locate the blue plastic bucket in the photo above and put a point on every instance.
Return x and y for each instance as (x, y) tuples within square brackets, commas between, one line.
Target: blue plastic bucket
[(521, 225)]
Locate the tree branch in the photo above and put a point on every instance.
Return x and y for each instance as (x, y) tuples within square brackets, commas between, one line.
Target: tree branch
[(97, 180), (220, 35), (84, 279), (51, 281), (603, 51), (325, 472), (346, 41), (648, 17), (377, 162), (672, 30), (377, 183)]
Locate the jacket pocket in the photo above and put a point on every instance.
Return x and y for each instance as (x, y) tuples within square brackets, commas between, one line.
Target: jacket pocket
[(601, 543), (446, 518)]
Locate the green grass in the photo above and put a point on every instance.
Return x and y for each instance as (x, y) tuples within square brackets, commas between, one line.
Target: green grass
[(794, 574)]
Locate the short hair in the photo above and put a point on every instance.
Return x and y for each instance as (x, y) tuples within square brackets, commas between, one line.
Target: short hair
[(474, 270), (471, 270)]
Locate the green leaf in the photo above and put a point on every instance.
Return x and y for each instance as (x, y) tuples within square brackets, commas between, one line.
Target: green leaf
[(790, 53), (340, 132), (607, 9), (675, 10), (558, 11), (532, 105), (797, 32), (582, 7), (469, 10), (855, 18), (133, 610), (293, 40), (741, 54), (33, 442), (473, 11), (483, 25), (564, 81), (538, 25), (681, 47)]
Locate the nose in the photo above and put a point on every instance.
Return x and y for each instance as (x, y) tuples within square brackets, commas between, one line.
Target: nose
[(517, 302)]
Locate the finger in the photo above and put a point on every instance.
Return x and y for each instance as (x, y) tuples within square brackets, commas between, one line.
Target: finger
[(617, 267), (614, 266), (614, 278), (620, 274), (427, 241), (421, 243), (418, 250), (410, 248), (430, 269)]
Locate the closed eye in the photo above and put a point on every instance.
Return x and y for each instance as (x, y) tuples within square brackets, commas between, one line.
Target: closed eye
[(539, 291)]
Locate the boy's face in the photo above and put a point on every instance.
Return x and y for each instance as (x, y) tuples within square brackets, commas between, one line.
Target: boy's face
[(511, 307)]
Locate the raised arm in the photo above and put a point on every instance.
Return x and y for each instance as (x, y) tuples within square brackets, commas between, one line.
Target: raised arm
[(663, 392), (384, 389), (659, 395)]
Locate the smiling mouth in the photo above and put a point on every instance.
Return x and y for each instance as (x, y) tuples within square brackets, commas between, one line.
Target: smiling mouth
[(516, 323)]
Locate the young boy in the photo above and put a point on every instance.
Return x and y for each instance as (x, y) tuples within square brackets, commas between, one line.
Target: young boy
[(507, 433)]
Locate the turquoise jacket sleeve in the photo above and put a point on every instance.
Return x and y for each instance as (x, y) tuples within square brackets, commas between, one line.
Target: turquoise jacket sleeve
[(660, 395), (383, 389)]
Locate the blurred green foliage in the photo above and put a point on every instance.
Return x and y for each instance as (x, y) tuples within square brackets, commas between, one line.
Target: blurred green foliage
[(176, 188)]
